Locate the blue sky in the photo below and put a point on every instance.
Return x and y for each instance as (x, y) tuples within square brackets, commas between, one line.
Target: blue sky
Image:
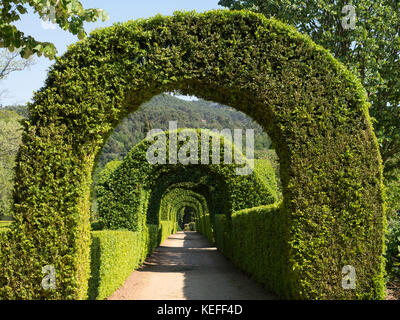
[(21, 85)]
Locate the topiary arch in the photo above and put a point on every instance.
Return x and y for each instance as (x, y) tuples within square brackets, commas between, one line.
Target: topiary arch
[(131, 195), (314, 109), (175, 203), (146, 198)]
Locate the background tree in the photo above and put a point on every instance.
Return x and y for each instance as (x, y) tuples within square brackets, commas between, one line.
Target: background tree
[(69, 15), (10, 139), (371, 50), (11, 62)]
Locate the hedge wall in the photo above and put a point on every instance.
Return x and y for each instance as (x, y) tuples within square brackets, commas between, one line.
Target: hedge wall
[(114, 255), (206, 227), (312, 107), (166, 229), (254, 241)]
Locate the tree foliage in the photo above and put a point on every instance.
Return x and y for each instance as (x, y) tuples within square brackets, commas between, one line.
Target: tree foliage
[(11, 62), (10, 139), (69, 15), (371, 51)]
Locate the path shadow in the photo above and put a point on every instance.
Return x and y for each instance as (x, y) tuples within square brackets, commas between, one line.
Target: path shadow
[(208, 275), (213, 277)]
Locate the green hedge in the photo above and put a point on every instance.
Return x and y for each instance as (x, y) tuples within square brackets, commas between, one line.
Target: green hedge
[(392, 253), (266, 172), (205, 227), (254, 241), (154, 237), (114, 256), (166, 229), (133, 187), (4, 226), (312, 107)]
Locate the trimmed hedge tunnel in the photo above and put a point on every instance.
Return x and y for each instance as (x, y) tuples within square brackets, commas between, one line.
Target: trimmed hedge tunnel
[(109, 266), (132, 194), (178, 198), (312, 107)]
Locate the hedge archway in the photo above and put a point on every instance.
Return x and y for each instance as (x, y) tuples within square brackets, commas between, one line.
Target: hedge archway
[(178, 197), (312, 107), (136, 186), (195, 200), (190, 198)]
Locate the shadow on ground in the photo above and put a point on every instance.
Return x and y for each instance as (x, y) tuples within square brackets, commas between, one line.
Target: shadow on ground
[(187, 267)]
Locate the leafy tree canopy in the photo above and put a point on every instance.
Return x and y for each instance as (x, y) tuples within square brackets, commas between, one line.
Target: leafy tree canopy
[(67, 14)]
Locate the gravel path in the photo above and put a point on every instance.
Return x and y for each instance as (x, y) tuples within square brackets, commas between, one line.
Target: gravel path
[(185, 267)]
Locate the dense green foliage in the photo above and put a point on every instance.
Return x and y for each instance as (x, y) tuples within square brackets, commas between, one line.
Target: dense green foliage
[(68, 15), (206, 227), (123, 198), (393, 250), (392, 193), (371, 50), (4, 226), (311, 106), (10, 139), (392, 188), (114, 255), (254, 240)]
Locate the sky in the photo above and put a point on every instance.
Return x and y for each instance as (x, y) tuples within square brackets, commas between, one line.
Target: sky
[(21, 85)]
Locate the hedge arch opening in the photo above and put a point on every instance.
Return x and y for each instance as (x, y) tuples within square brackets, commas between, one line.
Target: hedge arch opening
[(131, 194), (193, 199), (199, 204), (190, 177), (312, 107)]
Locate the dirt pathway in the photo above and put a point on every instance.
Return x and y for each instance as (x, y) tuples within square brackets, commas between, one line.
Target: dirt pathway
[(185, 267)]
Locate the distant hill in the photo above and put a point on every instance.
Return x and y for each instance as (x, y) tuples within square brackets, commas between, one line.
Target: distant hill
[(189, 114)]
